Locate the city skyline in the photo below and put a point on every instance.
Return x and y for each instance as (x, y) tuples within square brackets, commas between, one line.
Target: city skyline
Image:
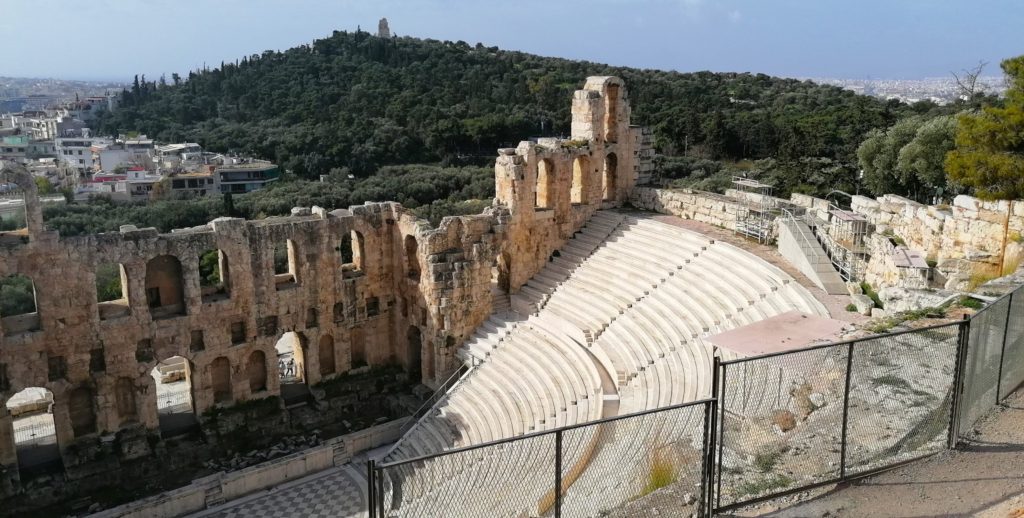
[(872, 39)]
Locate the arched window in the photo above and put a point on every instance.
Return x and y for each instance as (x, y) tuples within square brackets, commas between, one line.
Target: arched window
[(220, 379), (611, 116), (112, 290), (358, 251), (165, 292), (611, 165), (286, 265), (545, 184), (256, 369), (81, 411), (18, 304), (35, 434), (214, 275), (415, 343), (327, 364), (174, 407), (580, 179), (357, 347), (290, 358), (412, 260)]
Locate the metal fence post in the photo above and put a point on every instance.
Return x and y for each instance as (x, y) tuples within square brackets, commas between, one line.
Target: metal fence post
[(710, 425), (371, 488), (558, 474), (720, 430), (379, 491), (959, 382), (846, 411), (1002, 349)]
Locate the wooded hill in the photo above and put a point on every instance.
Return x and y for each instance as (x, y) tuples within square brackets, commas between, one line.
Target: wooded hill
[(358, 101)]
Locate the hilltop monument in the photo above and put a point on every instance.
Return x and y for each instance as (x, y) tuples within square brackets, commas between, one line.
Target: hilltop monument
[(382, 28)]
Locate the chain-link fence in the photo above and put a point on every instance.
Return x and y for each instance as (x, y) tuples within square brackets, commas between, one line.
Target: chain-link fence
[(804, 418), (612, 467), (775, 424), (1013, 352), (981, 368)]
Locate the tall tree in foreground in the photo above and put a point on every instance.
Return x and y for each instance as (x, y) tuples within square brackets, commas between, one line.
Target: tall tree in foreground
[(989, 154)]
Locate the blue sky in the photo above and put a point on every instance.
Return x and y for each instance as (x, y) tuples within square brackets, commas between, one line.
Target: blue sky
[(114, 39)]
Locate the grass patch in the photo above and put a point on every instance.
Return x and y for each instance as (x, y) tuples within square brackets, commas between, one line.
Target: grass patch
[(971, 303), (766, 460), (885, 324), (872, 294), (763, 486), (1011, 266), (851, 307), (978, 278), (662, 473)]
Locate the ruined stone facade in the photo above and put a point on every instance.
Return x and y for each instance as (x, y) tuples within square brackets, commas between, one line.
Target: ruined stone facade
[(409, 294)]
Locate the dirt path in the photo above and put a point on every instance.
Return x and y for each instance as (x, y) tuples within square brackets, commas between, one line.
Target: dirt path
[(984, 478)]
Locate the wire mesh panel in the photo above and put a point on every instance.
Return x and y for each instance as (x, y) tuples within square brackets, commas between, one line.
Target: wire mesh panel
[(981, 370), (628, 467), (781, 422), (1013, 354), (901, 391), (512, 478)]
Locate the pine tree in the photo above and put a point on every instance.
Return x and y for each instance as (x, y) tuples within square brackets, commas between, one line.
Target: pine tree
[(989, 154)]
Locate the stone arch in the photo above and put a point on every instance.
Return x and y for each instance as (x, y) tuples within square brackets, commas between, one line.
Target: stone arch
[(19, 310), (610, 176), (504, 272), (256, 370), (412, 260), (414, 341), (35, 433), (545, 195), (357, 347), (358, 250), (611, 113), (112, 291), (286, 264), (82, 411), (220, 380), (326, 356), (20, 176), (291, 367), (214, 275), (580, 179), (165, 289), (175, 406)]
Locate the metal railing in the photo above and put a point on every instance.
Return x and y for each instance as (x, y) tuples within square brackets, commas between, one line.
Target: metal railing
[(775, 424), (420, 414)]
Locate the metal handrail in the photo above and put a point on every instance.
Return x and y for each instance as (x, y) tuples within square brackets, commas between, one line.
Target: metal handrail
[(445, 388)]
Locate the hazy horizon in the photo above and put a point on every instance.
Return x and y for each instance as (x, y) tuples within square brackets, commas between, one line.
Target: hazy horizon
[(871, 39)]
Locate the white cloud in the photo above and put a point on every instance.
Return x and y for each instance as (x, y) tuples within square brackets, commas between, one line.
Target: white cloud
[(735, 15)]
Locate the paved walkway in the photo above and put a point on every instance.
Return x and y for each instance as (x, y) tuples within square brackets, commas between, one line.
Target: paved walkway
[(334, 493)]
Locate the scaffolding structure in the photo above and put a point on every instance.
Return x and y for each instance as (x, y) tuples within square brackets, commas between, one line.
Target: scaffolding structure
[(843, 239), (759, 210)]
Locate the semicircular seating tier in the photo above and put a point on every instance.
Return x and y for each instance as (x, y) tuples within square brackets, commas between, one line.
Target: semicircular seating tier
[(614, 324)]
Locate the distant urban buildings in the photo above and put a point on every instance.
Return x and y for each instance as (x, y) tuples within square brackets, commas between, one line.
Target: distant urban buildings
[(55, 141), (940, 90)]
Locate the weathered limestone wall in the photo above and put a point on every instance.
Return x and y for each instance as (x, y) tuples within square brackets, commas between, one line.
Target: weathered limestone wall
[(551, 187), (707, 207), (971, 237), (392, 306), (410, 294)]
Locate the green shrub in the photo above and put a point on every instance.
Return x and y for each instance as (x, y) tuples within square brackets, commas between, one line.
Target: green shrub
[(870, 292), (851, 307)]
